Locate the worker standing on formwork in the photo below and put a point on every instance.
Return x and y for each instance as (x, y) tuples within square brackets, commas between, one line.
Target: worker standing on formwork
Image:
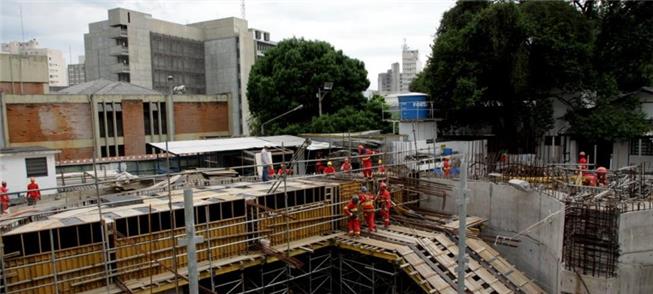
[(369, 210), (329, 170), (367, 164), (385, 201), (4, 198), (602, 176), (582, 161), (381, 168), (346, 166), (265, 159), (33, 192), (352, 211)]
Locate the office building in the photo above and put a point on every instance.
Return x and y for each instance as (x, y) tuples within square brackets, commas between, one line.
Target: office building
[(389, 81), (23, 74), (409, 67), (125, 117), (56, 63), (209, 57), (77, 72)]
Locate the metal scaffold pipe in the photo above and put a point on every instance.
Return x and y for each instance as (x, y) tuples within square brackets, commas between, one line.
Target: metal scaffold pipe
[(462, 225)]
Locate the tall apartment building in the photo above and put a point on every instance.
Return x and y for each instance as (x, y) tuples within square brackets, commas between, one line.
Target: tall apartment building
[(56, 63), (209, 57), (409, 67), (389, 81), (77, 72)]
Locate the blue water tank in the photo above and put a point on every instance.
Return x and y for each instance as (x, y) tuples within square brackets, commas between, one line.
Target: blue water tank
[(414, 106)]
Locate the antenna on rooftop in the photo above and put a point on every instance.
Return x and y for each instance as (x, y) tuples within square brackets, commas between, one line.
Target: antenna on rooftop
[(22, 28), (242, 9), (405, 45)]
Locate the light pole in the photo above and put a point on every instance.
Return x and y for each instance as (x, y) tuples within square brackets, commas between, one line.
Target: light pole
[(279, 116), (321, 94)]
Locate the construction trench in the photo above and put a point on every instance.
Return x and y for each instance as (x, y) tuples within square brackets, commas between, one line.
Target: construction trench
[(288, 236)]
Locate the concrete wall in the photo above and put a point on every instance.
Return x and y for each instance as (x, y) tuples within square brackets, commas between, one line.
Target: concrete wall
[(509, 211), (222, 75), (635, 270), (14, 171), (25, 68)]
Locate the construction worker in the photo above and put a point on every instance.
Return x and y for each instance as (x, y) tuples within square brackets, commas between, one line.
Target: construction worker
[(265, 170), (602, 176), (385, 200), (346, 166), (33, 193), (4, 198), (352, 211), (367, 164), (380, 168), (283, 170), (367, 203), (446, 167), (582, 161), (329, 170), (319, 166)]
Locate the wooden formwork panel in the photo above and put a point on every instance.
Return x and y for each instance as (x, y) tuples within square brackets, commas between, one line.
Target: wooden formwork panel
[(78, 269), (151, 254), (303, 223)]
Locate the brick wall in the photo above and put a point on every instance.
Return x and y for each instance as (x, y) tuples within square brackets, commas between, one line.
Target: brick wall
[(49, 122), (75, 153), (28, 88), (201, 117), (133, 127)]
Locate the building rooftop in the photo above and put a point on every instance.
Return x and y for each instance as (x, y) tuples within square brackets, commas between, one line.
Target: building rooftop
[(107, 87), (27, 149)]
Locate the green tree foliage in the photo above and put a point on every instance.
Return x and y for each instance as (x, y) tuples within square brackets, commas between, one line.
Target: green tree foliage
[(499, 64), (291, 74)]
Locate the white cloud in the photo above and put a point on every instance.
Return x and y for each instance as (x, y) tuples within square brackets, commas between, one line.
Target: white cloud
[(370, 30)]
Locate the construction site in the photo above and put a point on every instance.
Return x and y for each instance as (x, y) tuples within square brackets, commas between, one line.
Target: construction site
[(524, 227)]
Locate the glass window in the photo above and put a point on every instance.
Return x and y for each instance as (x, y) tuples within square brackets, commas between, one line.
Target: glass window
[(36, 167)]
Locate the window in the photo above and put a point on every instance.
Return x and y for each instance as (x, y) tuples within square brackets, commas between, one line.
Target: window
[(646, 143), (36, 167)]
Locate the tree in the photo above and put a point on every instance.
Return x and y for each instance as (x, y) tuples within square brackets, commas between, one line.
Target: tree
[(500, 65), (291, 74)]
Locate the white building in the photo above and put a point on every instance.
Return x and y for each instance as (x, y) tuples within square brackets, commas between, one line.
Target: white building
[(19, 164), (58, 72), (410, 66)]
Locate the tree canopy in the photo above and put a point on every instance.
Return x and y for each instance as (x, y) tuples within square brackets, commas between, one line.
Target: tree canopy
[(291, 74), (500, 64)]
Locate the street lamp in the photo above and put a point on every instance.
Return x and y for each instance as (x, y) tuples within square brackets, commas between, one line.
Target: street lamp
[(321, 93), (279, 116)]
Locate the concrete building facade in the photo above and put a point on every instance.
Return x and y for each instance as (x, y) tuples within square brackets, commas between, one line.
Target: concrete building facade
[(77, 72), (109, 120), (389, 81), (409, 67), (209, 57), (58, 76), (23, 74)]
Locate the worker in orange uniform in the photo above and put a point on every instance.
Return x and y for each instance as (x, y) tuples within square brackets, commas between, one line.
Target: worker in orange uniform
[(329, 170), (380, 168), (602, 176), (283, 170), (446, 166), (582, 161), (369, 210), (33, 193), (319, 167), (385, 200), (367, 164), (352, 211), (4, 197), (345, 167)]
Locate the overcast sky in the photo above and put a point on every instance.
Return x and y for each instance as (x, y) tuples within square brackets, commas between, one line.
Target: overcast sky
[(370, 30)]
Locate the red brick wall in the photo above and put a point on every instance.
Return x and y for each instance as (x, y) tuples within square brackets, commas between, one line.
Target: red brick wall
[(133, 127), (195, 117), (28, 88), (49, 122), (75, 153)]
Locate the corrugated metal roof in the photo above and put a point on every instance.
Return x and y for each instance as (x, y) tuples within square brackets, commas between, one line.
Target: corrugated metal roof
[(234, 144)]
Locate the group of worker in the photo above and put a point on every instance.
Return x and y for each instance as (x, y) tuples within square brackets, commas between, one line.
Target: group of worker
[(363, 206), (346, 167), (598, 178), (33, 195)]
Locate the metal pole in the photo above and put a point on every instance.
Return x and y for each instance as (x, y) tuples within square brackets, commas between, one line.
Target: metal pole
[(190, 241), (319, 98), (103, 231), (462, 224), (54, 263)]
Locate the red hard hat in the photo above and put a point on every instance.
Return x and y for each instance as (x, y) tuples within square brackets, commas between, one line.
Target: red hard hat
[(602, 170), (581, 153), (383, 185)]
